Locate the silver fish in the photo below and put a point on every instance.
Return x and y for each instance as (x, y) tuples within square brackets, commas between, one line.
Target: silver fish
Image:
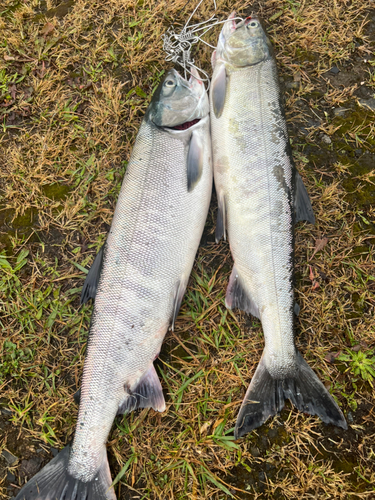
[(144, 269), (260, 197)]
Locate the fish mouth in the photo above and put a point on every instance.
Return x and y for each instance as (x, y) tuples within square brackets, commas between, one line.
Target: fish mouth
[(185, 125)]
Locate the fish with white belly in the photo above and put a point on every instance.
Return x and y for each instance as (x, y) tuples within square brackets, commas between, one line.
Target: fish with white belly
[(261, 196), (144, 269)]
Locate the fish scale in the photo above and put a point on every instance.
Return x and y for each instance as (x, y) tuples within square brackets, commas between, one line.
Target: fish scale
[(261, 196)]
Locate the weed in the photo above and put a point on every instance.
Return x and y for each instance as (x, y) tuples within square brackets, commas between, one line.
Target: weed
[(360, 364), (12, 360)]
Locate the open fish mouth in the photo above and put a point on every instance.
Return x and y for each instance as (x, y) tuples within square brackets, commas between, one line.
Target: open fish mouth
[(186, 125)]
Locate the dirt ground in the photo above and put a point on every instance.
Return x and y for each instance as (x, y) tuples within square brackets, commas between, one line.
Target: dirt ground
[(75, 80)]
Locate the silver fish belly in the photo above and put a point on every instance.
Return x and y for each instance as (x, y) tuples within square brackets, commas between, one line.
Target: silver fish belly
[(260, 196)]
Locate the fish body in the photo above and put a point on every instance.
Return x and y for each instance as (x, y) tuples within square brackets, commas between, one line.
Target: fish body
[(145, 266), (261, 196)]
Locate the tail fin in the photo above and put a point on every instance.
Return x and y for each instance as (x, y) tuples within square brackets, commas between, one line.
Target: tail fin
[(54, 483), (266, 396)]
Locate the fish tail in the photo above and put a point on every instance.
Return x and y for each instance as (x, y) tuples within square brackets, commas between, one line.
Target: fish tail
[(266, 396), (54, 482)]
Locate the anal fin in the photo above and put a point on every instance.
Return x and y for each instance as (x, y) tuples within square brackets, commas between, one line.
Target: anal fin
[(90, 285), (213, 59), (147, 394), (302, 204), (237, 298)]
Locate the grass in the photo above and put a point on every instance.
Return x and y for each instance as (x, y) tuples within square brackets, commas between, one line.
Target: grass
[(75, 81)]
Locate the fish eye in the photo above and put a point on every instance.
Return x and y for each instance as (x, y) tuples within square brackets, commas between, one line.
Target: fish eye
[(253, 24), (169, 83)]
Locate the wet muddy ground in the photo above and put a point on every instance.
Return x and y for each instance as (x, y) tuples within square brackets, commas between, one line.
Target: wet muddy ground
[(75, 80)]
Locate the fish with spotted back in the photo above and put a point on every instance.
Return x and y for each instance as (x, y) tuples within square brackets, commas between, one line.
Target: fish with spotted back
[(138, 280), (261, 196)]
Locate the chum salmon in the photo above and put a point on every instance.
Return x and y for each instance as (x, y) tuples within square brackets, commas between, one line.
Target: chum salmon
[(138, 280), (261, 196)]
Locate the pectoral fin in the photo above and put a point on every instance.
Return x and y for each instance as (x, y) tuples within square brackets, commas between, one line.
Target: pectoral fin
[(92, 279), (147, 394), (194, 161), (302, 204), (218, 90), (237, 298), (220, 231)]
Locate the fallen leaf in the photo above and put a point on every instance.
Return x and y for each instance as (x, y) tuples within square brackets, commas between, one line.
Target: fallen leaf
[(12, 90), (9, 58), (327, 385), (311, 276), (331, 356), (47, 29), (356, 348), (319, 245), (204, 427), (315, 285), (42, 71)]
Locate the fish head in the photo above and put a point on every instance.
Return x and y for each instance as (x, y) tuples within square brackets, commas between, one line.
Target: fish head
[(178, 102), (243, 44)]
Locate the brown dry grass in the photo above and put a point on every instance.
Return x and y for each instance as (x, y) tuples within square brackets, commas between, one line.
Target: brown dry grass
[(75, 80)]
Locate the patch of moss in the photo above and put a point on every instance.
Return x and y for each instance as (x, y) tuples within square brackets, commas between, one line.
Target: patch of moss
[(56, 191), (59, 11)]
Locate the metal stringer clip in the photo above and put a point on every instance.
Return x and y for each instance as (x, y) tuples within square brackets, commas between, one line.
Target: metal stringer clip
[(178, 46)]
